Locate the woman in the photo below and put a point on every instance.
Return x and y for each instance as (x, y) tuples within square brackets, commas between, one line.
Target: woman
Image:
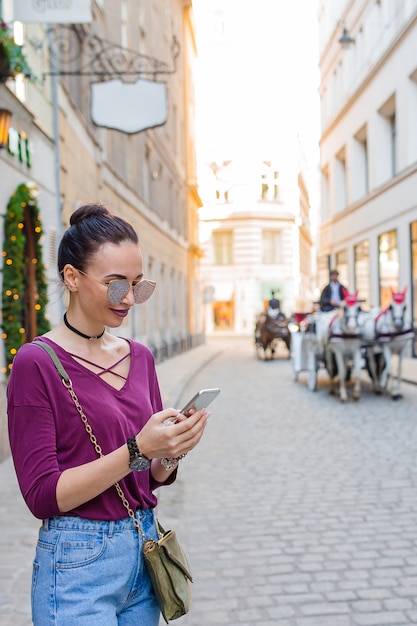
[(88, 567)]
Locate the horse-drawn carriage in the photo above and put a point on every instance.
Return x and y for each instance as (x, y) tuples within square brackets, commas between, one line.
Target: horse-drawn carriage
[(305, 351), (346, 340), (271, 328)]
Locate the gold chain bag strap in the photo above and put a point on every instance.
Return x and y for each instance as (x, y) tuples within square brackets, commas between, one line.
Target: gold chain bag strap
[(166, 562)]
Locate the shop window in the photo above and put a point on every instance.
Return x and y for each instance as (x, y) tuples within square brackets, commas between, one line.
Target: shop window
[(362, 273), (413, 238), (388, 266)]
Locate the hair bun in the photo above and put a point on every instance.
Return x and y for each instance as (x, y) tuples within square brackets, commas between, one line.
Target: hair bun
[(89, 211)]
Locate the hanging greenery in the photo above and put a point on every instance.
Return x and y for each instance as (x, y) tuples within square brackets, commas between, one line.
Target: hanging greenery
[(24, 296), (12, 58)]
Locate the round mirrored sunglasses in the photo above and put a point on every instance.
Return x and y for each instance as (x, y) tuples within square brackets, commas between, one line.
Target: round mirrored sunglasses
[(118, 289)]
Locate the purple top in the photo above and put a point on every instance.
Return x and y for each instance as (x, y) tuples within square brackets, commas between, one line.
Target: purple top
[(47, 435)]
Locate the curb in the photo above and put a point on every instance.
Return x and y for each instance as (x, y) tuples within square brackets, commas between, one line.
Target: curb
[(177, 373)]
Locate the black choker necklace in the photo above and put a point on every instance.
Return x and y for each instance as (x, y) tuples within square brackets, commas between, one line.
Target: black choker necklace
[(78, 332)]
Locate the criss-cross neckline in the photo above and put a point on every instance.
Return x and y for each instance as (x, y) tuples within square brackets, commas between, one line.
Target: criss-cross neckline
[(104, 370)]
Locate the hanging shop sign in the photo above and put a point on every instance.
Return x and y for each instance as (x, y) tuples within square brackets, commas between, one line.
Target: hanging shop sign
[(52, 11), (129, 107)]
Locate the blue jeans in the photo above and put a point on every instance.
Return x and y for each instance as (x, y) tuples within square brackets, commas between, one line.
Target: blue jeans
[(89, 573)]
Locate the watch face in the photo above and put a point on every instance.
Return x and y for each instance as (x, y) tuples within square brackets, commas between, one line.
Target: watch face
[(139, 464), (138, 461)]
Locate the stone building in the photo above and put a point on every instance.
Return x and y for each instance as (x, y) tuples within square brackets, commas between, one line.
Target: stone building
[(256, 236), (256, 229), (368, 147), (148, 177)]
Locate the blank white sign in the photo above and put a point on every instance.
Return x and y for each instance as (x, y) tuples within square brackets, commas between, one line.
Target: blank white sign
[(52, 11), (129, 107)]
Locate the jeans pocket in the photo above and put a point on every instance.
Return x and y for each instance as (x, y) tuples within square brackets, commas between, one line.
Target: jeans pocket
[(35, 571), (78, 548)]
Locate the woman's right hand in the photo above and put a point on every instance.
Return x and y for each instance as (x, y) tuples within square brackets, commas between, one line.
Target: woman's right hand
[(160, 438)]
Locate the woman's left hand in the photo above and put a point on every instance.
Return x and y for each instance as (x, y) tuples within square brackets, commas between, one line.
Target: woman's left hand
[(161, 437)]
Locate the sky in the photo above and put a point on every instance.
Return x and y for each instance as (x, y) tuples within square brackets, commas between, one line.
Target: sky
[(256, 82)]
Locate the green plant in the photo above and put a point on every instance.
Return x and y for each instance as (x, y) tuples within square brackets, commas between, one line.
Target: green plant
[(12, 59), (24, 296)]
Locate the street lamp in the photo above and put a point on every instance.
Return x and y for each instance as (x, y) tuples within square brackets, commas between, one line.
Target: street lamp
[(5, 119), (345, 40)]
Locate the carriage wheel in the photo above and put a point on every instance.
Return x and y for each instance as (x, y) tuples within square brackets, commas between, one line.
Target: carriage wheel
[(312, 380), (312, 372), (294, 373), (287, 341)]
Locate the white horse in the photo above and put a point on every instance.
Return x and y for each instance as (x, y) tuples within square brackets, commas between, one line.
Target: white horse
[(339, 337), (386, 332)]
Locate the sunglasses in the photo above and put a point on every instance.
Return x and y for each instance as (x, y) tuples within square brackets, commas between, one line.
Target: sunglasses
[(118, 289)]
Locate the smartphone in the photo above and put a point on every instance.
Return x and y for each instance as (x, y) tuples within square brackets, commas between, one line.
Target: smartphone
[(200, 401)]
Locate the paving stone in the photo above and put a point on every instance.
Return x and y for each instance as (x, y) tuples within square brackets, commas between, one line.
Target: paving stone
[(295, 510)]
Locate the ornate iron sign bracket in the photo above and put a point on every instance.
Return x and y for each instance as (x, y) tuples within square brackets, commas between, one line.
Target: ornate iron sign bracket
[(77, 52)]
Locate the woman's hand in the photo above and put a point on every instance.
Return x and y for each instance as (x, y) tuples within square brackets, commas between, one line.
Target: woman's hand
[(160, 438), (156, 440)]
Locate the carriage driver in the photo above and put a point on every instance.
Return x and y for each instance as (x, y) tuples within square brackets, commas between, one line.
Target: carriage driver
[(274, 306), (333, 293)]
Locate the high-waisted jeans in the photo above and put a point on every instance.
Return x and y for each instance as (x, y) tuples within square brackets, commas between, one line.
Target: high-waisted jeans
[(89, 573)]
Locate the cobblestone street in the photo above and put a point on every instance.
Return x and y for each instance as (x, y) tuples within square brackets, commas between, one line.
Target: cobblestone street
[(298, 510), (295, 510)]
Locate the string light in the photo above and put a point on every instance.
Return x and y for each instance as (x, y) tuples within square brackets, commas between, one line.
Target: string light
[(15, 279)]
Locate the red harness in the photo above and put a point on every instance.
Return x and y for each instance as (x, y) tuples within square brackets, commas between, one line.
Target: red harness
[(340, 335), (391, 335)]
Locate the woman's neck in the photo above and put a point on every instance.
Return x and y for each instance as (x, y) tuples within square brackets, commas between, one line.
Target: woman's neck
[(80, 333)]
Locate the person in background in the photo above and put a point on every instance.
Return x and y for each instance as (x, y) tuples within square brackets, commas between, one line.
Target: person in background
[(333, 293), (274, 306), (89, 566)]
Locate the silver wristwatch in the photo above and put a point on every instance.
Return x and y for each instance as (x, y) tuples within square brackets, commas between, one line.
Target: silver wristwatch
[(138, 462), (171, 463)]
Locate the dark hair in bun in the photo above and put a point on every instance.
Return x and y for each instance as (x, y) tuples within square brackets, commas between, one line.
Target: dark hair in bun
[(91, 226)]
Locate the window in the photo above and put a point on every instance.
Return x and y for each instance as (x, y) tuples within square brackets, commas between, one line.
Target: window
[(386, 148), (123, 24), (223, 196), (325, 194), (342, 267), (271, 246), (388, 266), (276, 185), (223, 247), (360, 181), (264, 186), (218, 26), (362, 273), (323, 268), (411, 123), (413, 237), (392, 120), (340, 181), (269, 182)]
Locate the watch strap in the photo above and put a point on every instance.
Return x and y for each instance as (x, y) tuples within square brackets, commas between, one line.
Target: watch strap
[(134, 451)]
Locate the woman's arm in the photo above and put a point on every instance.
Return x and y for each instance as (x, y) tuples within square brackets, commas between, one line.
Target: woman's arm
[(81, 484)]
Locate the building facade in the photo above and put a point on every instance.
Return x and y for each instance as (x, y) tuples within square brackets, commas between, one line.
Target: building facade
[(147, 177), (254, 177), (256, 238), (368, 147)]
